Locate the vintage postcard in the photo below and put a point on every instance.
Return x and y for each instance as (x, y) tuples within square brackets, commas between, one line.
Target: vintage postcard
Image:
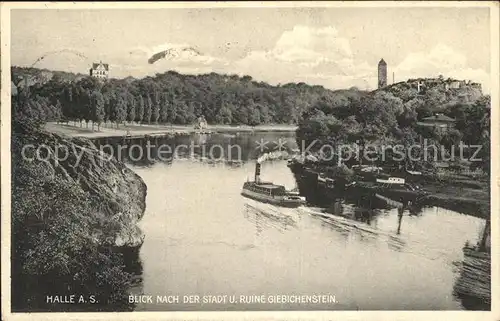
[(241, 160)]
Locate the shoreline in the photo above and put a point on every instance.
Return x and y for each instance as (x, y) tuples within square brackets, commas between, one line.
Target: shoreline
[(449, 199), (456, 196), (142, 131)]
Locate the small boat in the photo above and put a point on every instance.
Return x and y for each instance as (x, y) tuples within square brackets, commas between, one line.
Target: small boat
[(267, 192), (399, 188), (391, 181), (367, 168), (229, 135), (294, 191), (234, 162), (395, 188), (415, 173), (325, 181)]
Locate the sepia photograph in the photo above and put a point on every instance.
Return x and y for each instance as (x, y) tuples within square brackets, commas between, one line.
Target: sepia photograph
[(249, 157)]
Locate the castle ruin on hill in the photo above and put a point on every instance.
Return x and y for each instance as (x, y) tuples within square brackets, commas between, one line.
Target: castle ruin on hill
[(464, 90), (461, 90)]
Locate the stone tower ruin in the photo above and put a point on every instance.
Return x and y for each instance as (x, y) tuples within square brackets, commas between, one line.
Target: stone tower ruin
[(382, 73)]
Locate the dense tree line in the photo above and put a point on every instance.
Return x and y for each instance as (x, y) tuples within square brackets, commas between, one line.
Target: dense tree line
[(380, 118), (167, 98)]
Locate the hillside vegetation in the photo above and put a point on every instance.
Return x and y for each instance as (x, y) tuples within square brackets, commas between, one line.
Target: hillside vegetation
[(71, 224), (390, 116), (166, 98)]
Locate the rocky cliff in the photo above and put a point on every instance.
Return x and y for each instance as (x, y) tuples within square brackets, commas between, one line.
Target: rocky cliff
[(74, 223), (116, 194)]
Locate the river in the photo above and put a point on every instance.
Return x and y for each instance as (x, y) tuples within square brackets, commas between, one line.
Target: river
[(204, 238)]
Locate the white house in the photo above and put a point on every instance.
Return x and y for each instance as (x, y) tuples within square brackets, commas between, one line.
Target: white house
[(99, 70)]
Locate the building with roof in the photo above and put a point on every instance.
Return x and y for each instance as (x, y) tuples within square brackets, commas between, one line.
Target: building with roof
[(99, 70), (439, 121)]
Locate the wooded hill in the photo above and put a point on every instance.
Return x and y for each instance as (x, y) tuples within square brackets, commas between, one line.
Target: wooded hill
[(167, 98)]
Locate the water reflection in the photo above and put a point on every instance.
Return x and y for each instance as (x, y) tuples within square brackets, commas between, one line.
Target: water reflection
[(202, 236), (231, 149), (353, 218), (268, 217), (396, 243), (473, 287), (361, 207)]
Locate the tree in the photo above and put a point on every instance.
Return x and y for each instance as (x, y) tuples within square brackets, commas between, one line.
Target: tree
[(407, 118), (38, 109), (81, 104), (450, 138), (240, 115), (148, 109), (155, 109), (164, 108), (484, 155), (121, 110), (318, 130), (98, 113), (131, 108), (57, 115), (190, 113), (483, 123), (424, 111), (85, 108), (459, 113), (376, 116), (434, 98), (254, 117), (140, 109), (350, 129), (172, 111), (181, 113), (118, 106), (111, 108), (24, 107), (224, 116), (68, 103)]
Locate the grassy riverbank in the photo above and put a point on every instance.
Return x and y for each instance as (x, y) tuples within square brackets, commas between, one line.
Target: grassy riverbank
[(458, 196), (72, 130)]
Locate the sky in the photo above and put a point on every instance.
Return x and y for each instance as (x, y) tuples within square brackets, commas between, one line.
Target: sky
[(333, 47)]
